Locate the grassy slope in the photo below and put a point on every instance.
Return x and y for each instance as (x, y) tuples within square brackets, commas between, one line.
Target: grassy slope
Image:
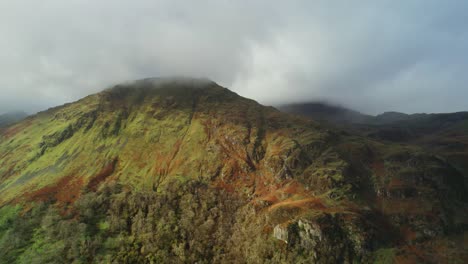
[(145, 135)]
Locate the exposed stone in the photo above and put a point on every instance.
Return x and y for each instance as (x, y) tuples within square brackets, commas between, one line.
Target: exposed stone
[(280, 232), (310, 234), (303, 233)]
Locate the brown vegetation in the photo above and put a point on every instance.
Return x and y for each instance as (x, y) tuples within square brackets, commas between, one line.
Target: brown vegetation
[(102, 175), (66, 191)]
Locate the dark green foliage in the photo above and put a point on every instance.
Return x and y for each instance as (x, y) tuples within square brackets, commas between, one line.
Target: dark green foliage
[(17, 230), (105, 130), (53, 140), (185, 223), (87, 120), (118, 122)]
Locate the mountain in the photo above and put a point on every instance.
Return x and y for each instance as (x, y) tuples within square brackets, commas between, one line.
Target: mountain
[(338, 115), (326, 112), (11, 117), (391, 117), (445, 134), (185, 171), (389, 126)]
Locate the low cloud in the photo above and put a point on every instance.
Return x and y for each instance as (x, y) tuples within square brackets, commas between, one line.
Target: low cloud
[(372, 56)]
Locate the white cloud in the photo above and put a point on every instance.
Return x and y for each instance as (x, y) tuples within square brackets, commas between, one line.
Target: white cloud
[(372, 56)]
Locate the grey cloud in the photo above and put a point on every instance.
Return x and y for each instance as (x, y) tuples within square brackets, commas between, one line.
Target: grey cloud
[(369, 55)]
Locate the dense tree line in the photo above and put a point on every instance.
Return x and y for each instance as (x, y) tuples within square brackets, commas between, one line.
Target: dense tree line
[(183, 223)]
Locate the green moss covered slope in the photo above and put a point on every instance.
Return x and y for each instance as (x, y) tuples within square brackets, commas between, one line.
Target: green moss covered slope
[(184, 171)]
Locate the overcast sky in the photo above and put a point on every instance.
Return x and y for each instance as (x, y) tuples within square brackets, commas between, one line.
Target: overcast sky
[(373, 56)]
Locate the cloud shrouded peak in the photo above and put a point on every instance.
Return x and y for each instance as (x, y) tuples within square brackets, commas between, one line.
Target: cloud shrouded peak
[(372, 56)]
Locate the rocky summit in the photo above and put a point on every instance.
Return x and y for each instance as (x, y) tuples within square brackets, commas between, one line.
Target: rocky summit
[(185, 171)]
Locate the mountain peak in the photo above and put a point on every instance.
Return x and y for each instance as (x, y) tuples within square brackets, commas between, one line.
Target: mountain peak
[(177, 88), (160, 82)]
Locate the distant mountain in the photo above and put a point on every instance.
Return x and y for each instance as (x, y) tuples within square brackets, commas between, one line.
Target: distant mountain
[(11, 117), (445, 133), (390, 117), (343, 117), (321, 111), (186, 171)]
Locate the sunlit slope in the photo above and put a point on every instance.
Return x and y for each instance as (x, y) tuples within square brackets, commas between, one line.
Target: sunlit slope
[(312, 190), (147, 132)]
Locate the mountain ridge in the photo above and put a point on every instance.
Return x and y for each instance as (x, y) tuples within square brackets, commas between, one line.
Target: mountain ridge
[(326, 111), (139, 168)]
